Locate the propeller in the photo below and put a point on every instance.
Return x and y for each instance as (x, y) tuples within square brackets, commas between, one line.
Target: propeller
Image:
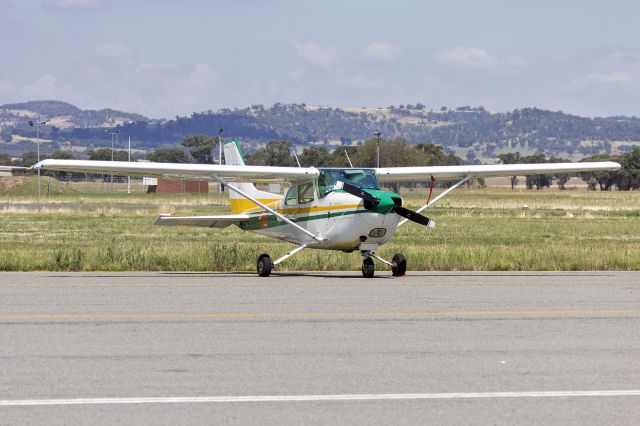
[(414, 216), (370, 201)]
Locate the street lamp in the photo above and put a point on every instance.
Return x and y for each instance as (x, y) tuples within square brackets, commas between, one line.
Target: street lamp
[(115, 133), (377, 135), (220, 130), (37, 125)]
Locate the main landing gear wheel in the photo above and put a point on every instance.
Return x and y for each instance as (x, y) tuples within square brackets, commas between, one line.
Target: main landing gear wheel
[(368, 268), (264, 265), (399, 267)]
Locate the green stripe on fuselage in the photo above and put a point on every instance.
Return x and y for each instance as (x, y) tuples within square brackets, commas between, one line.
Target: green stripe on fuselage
[(272, 220)]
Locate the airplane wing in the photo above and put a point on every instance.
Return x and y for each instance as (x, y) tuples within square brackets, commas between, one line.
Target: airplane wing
[(221, 221), (182, 170), (396, 174)]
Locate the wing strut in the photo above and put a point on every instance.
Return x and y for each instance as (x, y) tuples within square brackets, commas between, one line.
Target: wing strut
[(435, 200), (288, 255), (268, 209)]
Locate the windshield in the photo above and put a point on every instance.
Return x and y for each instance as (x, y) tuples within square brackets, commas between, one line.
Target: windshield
[(362, 178)]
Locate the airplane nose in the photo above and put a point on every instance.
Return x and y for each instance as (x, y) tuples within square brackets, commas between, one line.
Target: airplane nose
[(386, 201)]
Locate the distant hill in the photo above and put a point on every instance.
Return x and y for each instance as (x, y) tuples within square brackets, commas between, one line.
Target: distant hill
[(63, 115), (471, 132)]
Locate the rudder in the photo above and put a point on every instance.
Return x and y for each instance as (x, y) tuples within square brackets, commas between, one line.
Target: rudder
[(233, 157)]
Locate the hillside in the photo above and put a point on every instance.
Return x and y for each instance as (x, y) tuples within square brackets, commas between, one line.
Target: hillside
[(469, 132)]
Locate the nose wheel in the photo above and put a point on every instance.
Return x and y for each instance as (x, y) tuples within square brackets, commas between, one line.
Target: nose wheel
[(368, 268)]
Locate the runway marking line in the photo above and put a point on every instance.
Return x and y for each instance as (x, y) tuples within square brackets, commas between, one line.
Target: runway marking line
[(566, 312), (310, 398)]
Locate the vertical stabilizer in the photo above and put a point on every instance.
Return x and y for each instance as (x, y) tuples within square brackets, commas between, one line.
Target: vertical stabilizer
[(233, 157)]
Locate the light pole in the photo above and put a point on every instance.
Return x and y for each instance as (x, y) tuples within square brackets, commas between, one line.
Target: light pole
[(113, 136), (37, 125), (129, 176), (377, 135), (220, 130)]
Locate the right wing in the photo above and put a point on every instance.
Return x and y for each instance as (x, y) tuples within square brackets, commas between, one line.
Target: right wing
[(221, 221), (396, 174), (182, 170)]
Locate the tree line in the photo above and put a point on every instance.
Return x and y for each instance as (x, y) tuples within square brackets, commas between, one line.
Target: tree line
[(394, 152)]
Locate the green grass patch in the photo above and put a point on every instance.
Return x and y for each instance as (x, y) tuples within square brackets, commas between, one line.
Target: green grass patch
[(478, 229)]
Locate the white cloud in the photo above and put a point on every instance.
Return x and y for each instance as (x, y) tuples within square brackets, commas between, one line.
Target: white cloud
[(114, 51), (364, 83), (47, 87), (599, 78), (468, 57), (77, 4), (297, 73), (195, 90), (383, 51), (315, 54), (5, 87)]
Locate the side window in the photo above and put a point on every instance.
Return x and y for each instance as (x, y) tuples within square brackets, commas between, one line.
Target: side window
[(292, 196), (305, 193)]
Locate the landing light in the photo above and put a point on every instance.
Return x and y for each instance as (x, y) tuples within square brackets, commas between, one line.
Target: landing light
[(377, 232)]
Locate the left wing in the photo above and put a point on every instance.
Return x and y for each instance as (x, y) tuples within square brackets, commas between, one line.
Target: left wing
[(397, 174), (182, 170), (221, 221)]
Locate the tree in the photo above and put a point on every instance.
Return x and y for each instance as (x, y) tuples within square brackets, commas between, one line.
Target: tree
[(62, 155), (275, 153), (201, 147), (561, 178), (5, 159), (604, 180), (630, 176), (315, 156), (511, 158), (435, 155), (339, 158), (539, 181), (104, 154), (30, 158), (168, 155)]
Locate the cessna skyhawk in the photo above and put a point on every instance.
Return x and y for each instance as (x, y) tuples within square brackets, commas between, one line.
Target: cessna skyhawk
[(324, 208)]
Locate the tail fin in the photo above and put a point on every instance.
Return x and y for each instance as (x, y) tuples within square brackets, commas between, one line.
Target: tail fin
[(233, 157)]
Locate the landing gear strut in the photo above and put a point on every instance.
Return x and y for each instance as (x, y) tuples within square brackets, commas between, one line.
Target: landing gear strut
[(264, 265)]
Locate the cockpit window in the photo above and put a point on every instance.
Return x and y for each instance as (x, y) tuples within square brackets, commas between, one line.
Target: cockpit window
[(292, 196), (362, 178)]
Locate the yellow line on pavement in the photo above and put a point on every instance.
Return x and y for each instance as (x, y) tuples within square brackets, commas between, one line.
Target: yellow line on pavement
[(551, 312)]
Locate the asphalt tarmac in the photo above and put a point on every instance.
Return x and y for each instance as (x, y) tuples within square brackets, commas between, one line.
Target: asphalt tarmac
[(429, 348)]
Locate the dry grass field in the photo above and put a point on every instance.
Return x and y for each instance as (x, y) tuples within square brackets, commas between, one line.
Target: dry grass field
[(93, 229)]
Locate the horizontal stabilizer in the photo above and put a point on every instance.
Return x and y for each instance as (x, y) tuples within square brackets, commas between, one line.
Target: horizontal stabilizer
[(16, 171), (203, 221)]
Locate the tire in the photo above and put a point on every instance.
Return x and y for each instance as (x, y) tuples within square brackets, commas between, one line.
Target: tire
[(399, 267), (264, 265), (368, 268)]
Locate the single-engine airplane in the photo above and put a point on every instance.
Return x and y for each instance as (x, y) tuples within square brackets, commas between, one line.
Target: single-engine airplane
[(324, 208)]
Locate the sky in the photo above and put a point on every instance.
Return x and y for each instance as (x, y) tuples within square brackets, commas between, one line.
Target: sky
[(165, 58)]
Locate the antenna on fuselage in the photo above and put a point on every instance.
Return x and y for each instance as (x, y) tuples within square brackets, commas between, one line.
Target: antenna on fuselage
[(296, 157), (348, 159)]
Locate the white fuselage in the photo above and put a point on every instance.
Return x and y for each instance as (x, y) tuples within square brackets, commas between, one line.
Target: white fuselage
[(339, 220)]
